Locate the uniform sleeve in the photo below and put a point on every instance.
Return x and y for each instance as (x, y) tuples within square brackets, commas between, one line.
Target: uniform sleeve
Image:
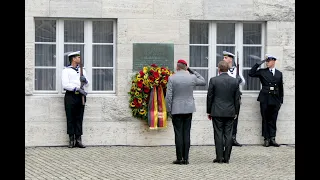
[(85, 75), (281, 94), (199, 80), (254, 72), (243, 81), (169, 95), (237, 95), (66, 81), (210, 95)]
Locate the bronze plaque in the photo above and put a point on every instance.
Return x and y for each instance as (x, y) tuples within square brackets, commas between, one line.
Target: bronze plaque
[(145, 54)]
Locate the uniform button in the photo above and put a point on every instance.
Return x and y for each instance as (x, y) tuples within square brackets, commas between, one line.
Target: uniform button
[(269, 83)]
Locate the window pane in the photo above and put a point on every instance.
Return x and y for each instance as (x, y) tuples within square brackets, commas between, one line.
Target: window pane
[(225, 33), (45, 31), (102, 56), (251, 55), (73, 31), (198, 56), (73, 47), (45, 55), (199, 33), (252, 33), (102, 79), (204, 74), (251, 83), (219, 53), (45, 79), (102, 31)]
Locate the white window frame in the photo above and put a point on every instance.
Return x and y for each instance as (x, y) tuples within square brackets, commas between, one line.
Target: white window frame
[(212, 35), (87, 54)]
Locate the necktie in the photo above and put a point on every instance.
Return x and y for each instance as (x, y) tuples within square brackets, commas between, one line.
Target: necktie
[(271, 71)]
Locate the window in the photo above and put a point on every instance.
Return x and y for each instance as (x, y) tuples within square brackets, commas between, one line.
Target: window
[(54, 38), (209, 39)]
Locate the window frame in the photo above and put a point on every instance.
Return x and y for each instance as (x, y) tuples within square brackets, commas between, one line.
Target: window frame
[(88, 46), (212, 46)]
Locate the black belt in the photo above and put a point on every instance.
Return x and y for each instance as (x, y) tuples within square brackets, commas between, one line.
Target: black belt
[(270, 88), (72, 92)]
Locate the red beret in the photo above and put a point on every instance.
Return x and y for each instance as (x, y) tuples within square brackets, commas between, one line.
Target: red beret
[(182, 61)]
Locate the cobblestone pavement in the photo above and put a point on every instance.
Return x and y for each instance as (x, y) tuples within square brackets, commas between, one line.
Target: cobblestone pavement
[(127, 162)]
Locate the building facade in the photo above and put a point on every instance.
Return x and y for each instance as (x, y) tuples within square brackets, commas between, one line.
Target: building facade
[(105, 31)]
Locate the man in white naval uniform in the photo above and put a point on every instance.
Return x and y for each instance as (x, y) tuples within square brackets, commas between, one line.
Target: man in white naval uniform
[(71, 82), (229, 58)]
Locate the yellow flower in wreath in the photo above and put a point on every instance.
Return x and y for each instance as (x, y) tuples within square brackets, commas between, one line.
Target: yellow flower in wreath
[(137, 94), (145, 76), (139, 100), (145, 70), (142, 111), (132, 104)]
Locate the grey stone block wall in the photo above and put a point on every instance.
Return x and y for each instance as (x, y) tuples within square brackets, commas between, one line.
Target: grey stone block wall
[(108, 120)]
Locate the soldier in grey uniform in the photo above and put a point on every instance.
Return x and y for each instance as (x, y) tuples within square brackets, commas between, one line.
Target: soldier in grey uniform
[(270, 97), (229, 58), (180, 105)]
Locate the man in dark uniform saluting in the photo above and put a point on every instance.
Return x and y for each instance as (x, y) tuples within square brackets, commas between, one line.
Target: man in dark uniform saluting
[(270, 97), (71, 82)]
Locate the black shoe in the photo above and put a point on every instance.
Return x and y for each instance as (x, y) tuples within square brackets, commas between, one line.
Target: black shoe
[(266, 143), (218, 161), (79, 142), (273, 142), (235, 143), (71, 141), (178, 162), (185, 162), (71, 144), (226, 161)]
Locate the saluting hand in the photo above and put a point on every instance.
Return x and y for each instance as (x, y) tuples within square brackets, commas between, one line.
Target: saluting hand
[(261, 62), (190, 71)]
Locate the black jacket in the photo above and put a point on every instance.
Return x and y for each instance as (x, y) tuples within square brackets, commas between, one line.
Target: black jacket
[(223, 96), (272, 85)]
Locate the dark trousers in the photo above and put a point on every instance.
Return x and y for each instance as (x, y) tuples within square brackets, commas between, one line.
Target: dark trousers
[(235, 123), (269, 115), (182, 125), (222, 128), (74, 112)]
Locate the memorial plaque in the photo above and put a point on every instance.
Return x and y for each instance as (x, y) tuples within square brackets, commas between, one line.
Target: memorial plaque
[(145, 54)]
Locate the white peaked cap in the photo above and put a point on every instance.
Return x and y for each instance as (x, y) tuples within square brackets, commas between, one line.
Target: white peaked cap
[(74, 53)]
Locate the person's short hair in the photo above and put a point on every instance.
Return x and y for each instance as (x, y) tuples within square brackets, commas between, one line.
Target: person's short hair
[(223, 66), (71, 57), (182, 66)]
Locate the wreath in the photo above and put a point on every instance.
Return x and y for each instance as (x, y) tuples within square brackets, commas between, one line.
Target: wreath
[(142, 82)]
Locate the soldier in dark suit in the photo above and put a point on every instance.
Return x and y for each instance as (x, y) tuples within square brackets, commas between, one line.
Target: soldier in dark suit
[(222, 104), (270, 97)]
